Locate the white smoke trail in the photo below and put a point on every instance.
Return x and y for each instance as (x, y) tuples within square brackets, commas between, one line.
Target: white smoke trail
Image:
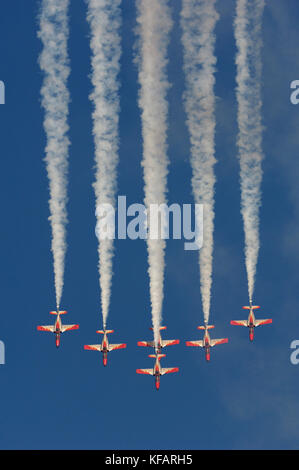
[(248, 24), (154, 24), (198, 20), (53, 62), (104, 17)]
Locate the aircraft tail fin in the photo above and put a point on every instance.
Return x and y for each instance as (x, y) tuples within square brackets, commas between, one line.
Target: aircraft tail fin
[(102, 332), (158, 355), (61, 312), (209, 327)]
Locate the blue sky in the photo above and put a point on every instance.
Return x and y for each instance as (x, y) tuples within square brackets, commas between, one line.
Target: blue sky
[(246, 398)]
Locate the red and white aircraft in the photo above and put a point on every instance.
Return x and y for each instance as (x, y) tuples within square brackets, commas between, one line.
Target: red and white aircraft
[(207, 342), (58, 327), (157, 371), (105, 347), (161, 343), (251, 322)]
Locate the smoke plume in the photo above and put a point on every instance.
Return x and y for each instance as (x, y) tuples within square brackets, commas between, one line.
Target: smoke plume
[(248, 24), (154, 24), (53, 61), (104, 17), (198, 20)]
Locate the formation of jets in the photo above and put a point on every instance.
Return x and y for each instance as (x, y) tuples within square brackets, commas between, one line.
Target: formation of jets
[(157, 371)]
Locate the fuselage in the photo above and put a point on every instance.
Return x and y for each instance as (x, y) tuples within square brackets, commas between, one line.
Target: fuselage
[(251, 324), (157, 373), (207, 344), (57, 331), (159, 347), (104, 349)]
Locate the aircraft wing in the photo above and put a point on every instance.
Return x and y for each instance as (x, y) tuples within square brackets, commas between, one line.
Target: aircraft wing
[(150, 344), (69, 327), (145, 371), (169, 370), (198, 343), (263, 322), (214, 342), (112, 347), (239, 322), (93, 347), (50, 328), (169, 342)]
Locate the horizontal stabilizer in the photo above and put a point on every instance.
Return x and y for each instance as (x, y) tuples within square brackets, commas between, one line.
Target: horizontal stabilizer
[(61, 312), (161, 328), (209, 327), (102, 332), (246, 307), (158, 355)]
